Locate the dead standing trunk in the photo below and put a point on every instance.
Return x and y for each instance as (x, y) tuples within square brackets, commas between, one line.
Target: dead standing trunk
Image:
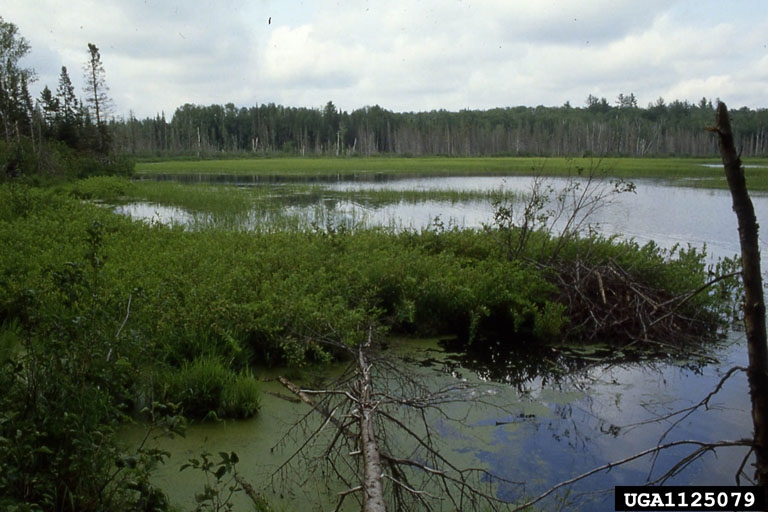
[(754, 305)]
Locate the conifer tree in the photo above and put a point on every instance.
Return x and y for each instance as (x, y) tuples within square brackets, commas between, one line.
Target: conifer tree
[(97, 98), (67, 122)]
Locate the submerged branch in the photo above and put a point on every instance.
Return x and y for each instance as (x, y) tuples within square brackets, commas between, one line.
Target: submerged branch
[(702, 448)]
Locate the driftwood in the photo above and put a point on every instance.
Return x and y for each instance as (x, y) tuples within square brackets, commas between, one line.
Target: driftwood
[(754, 304)]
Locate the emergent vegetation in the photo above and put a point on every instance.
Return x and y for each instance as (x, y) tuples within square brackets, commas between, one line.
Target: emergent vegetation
[(103, 319)]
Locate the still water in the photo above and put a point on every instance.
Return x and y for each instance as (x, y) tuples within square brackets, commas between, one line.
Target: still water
[(668, 215), (557, 417)]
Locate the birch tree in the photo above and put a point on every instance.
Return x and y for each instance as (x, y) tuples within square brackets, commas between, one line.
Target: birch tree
[(15, 102)]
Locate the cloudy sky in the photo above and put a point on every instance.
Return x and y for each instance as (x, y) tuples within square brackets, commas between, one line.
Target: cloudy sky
[(404, 55)]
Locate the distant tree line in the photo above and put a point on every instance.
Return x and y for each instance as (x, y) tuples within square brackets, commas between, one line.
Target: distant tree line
[(619, 128), (60, 134)]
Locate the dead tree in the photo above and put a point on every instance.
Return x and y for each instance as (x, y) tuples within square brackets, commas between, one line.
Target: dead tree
[(754, 304), (373, 490), (368, 410)]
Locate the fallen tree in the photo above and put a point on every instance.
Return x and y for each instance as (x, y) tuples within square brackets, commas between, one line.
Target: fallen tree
[(366, 408)]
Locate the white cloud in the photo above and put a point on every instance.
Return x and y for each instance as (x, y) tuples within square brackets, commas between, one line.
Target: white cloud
[(401, 54), (294, 57)]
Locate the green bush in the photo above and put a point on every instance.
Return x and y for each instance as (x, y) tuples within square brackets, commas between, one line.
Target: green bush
[(105, 188), (67, 384), (298, 296)]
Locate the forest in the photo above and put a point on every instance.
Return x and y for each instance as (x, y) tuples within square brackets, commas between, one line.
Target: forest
[(601, 127), (86, 123), (598, 128)]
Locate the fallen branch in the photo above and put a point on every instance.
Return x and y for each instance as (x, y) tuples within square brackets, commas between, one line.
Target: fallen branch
[(702, 448)]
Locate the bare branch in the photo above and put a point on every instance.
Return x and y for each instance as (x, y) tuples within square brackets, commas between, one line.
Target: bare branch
[(127, 314), (702, 447)]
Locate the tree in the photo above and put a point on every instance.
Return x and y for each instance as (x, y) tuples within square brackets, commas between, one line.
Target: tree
[(50, 109), (15, 102), (624, 101), (331, 121), (65, 93), (68, 110), (754, 302), (96, 87), (597, 105)]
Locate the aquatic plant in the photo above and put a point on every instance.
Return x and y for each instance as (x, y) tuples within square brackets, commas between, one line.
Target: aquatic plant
[(206, 388), (110, 313)]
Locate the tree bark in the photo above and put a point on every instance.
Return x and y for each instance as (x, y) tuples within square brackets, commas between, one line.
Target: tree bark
[(373, 489), (365, 411), (754, 304)]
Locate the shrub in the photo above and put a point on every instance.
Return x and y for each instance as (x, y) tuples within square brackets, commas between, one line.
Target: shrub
[(107, 188)]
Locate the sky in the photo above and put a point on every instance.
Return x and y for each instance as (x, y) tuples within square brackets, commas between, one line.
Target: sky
[(403, 55)]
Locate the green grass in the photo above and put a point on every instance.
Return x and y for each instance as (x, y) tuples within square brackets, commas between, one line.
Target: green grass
[(229, 197), (267, 208), (681, 171)]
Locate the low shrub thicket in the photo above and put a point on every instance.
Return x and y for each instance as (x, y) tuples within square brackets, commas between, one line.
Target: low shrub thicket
[(51, 161), (289, 297), (98, 313)]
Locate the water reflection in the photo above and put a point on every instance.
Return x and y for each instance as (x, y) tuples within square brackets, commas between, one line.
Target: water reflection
[(523, 420), (566, 411), (657, 212), (583, 413)]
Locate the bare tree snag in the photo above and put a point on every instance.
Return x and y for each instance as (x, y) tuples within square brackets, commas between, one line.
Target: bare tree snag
[(365, 410), (373, 489), (754, 304), (373, 402)]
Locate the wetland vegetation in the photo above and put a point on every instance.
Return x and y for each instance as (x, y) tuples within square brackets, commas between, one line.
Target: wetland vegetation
[(704, 172), (107, 320), (176, 317)]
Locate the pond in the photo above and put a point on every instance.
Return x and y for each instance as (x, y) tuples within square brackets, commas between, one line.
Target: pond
[(668, 215), (555, 416)]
